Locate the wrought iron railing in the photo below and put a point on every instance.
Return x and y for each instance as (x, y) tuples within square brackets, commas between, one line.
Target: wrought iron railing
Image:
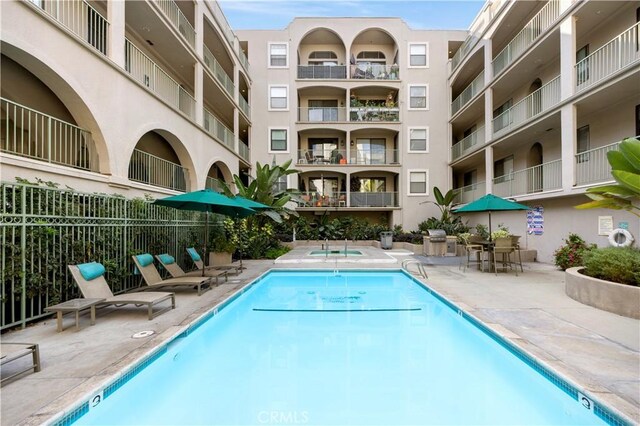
[(469, 144), (322, 156), (322, 71), (592, 166), (535, 104), (44, 229), (318, 114), (149, 74), (244, 106), (468, 93), (610, 58), (80, 18), (178, 20), (316, 199), (469, 193), (216, 129), (545, 177), (152, 170), (33, 134), (525, 38), (373, 199), (244, 151), (218, 72), (374, 156), (374, 114), (375, 72)]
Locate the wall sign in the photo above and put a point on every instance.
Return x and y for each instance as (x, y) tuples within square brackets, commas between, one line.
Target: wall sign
[(535, 220), (605, 225)]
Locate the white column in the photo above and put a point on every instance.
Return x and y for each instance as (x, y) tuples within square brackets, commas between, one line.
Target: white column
[(198, 88), (199, 28), (116, 18), (488, 169), (568, 123), (488, 56), (567, 57), (488, 115), (347, 185), (236, 130)]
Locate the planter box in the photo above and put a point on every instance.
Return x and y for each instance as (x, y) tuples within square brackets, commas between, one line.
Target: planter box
[(620, 299), (219, 258)]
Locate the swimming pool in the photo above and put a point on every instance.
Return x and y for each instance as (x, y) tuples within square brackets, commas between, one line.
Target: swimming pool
[(348, 348), (343, 252)]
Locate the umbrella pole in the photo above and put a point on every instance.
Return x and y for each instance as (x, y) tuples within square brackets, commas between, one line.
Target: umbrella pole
[(206, 241), (489, 225)]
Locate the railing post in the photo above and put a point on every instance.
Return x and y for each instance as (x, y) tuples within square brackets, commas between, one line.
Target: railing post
[(49, 138), (23, 257)]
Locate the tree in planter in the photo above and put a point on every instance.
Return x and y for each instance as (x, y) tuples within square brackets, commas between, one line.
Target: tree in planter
[(571, 254)]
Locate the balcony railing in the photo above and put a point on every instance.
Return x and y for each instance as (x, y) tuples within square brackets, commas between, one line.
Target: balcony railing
[(244, 106), (535, 104), (610, 58), (216, 129), (322, 72), (315, 115), (30, 133), (156, 171), (218, 72), (374, 114), (469, 144), (525, 38), (468, 93), (469, 193), (243, 151), (382, 156), (592, 166), (465, 48), (315, 199), (545, 177), (218, 14), (178, 20), (243, 60), (322, 157), (80, 18), (373, 199), (148, 73), (375, 72), (213, 184)]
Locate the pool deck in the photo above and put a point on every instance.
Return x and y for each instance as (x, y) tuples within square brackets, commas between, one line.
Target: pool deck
[(596, 350)]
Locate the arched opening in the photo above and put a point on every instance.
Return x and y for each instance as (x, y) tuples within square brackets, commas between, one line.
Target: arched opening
[(322, 55), (536, 98), (534, 161), (374, 55), (219, 172), (155, 162)]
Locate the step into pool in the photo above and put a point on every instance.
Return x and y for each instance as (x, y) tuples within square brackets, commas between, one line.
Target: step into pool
[(352, 347)]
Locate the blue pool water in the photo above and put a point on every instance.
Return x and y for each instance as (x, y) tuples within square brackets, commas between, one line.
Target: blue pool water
[(362, 348), (335, 253)]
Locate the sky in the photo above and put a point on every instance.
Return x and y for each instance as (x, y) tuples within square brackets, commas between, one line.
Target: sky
[(418, 14)]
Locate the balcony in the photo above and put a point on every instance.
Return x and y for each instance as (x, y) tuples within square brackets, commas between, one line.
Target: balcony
[(178, 20), (243, 151), (244, 106), (533, 105), (344, 199), (527, 36), (469, 193), (32, 134), (335, 72), (545, 177), (593, 167), (470, 144), (370, 157), (322, 115), (149, 74), (156, 171), (465, 48), (322, 157), (218, 15), (374, 72), (468, 93), (609, 59), (244, 61), (373, 199), (314, 199), (374, 114), (218, 130), (79, 18), (218, 72)]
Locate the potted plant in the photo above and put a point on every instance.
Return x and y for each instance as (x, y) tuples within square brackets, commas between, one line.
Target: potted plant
[(220, 250)]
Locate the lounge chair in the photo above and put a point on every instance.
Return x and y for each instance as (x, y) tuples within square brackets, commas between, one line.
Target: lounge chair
[(151, 276), (13, 351), (197, 260), (169, 263), (93, 286)]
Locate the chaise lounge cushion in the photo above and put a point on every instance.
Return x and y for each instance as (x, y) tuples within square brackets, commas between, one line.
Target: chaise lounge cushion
[(194, 254), (167, 259), (91, 271), (144, 259)]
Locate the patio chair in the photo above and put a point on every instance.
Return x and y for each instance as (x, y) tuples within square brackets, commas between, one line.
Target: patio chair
[(472, 247), (151, 276), (504, 247), (13, 351), (197, 260), (169, 263), (90, 279)]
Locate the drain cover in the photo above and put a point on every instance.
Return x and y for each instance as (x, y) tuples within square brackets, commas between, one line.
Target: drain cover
[(234, 281), (143, 334)]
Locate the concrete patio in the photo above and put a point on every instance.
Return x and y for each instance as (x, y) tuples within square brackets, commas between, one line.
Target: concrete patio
[(596, 350)]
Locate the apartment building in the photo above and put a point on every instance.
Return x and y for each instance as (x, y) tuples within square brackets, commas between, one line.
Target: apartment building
[(540, 91), (136, 97), (358, 105)]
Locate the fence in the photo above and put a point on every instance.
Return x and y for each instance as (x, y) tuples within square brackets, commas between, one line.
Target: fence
[(44, 229), (150, 169)]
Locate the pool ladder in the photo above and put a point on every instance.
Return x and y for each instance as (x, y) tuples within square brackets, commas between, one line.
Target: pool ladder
[(419, 272)]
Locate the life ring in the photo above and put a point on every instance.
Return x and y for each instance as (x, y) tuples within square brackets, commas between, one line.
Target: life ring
[(620, 238)]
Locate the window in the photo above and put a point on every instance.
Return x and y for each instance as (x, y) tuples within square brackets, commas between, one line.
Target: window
[(323, 110), (278, 97), (418, 97), (503, 168), (278, 140), (582, 139), (323, 58), (582, 67), (368, 57), (278, 55), (418, 55), (418, 139), (372, 184), (501, 117), (418, 182), (280, 185), (371, 151), (470, 178)]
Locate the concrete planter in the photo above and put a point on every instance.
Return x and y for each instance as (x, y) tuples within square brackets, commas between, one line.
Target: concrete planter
[(219, 258), (620, 299)]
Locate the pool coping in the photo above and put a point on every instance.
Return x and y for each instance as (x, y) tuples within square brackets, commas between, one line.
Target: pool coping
[(100, 386)]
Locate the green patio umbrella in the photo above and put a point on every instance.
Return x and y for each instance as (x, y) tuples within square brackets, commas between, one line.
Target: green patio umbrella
[(491, 203), (245, 202), (207, 201)]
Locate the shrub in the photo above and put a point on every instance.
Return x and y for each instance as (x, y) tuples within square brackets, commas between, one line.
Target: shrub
[(409, 237), (276, 252), (616, 264), (571, 254), (453, 227)]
